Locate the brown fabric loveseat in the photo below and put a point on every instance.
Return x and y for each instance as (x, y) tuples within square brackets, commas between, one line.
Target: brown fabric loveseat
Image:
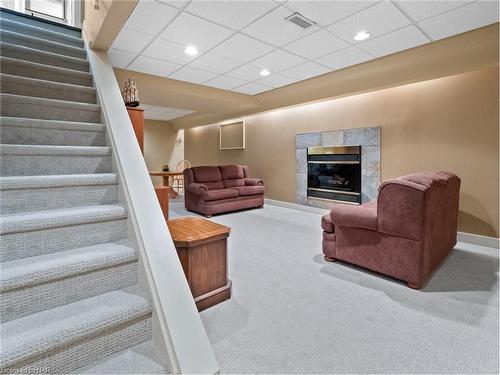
[(405, 234), (213, 190)]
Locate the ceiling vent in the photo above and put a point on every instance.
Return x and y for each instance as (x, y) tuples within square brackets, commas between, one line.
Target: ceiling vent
[(300, 20)]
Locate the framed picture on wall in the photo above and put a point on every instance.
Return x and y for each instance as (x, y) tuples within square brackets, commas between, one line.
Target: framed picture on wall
[(232, 136)]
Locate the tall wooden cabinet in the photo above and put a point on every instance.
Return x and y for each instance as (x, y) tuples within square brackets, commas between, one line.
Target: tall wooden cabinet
[(137, 117)]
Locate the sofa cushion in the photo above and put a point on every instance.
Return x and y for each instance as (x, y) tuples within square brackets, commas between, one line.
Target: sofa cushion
[(218, 194), (249, 190), (231, 171), (364, 216), (233, 182), (326, 224), (206, 174), (214, 185)]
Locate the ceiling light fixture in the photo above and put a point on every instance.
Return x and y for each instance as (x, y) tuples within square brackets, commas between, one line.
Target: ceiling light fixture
[(191, 50), (264, 72), (361, 35)]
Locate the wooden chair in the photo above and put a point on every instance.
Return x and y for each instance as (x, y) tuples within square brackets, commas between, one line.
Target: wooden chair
[(177, 182)]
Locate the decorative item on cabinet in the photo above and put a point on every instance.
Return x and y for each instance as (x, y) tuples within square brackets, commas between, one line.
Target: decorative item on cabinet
[(130, 93)]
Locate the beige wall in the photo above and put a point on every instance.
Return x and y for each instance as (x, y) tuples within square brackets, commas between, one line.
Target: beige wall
[(160, 146), (448, 123)]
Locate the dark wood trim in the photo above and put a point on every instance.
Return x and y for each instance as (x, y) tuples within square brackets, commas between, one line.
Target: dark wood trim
[(214, 297)]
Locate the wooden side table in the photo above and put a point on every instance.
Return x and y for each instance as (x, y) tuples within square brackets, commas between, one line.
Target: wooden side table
[(166, 180), (137, 118), (202, 248)]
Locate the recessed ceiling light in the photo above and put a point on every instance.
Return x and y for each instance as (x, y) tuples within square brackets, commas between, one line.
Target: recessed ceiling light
[(264, 72), (191, 50), (362, 35)]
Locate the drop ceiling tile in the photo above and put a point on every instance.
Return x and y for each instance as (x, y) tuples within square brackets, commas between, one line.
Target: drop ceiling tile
[(421, 9), (278, 60), (120, 59), (405, 38), (252, 88), (241, 48), (346, 57), (190, 30), (276, 80), (306, 70), (318, 44), (376, 20), (192, 75), (246, 73), (275, 30), (175, 3), (153, 66), (233, 14), (150, 17), (326, 12), (460, 20), (168, 51), (224, 82), (214, 63), (131, 41)]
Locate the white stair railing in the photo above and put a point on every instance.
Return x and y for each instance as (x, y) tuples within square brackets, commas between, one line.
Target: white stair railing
[(185, 338)]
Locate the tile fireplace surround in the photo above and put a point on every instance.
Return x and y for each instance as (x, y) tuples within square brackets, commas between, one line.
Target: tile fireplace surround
[(367, 138)]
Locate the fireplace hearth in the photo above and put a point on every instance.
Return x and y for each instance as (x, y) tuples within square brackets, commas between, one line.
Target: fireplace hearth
[(334, 174)]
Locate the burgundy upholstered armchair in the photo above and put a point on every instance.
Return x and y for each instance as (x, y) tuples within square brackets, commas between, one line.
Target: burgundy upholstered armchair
[(405, 234)]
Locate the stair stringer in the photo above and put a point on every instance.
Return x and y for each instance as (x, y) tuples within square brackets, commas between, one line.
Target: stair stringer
[(177, 326)]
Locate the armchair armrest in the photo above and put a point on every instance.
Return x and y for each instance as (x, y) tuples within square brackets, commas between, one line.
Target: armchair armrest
[(197, 189), (253, 181), (364, 216)]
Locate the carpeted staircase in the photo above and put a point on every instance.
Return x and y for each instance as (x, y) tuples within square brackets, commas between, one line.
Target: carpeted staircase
[(69, 296)]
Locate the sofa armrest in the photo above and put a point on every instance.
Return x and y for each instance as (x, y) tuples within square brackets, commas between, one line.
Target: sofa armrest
[(197, 189), (364, 216), (253, 181)]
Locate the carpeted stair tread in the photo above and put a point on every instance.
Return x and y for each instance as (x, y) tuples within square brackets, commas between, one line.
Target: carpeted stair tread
[(140, 359), (41, 220), (46, 268), (34, 87), (25, 68), (41, 23), (55, 181), (49, 330), (42, 44), (51, 124), (44, 57), (31, 30), (10, 149)]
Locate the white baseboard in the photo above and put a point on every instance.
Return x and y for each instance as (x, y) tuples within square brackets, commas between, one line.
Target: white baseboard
[(476, 239), (469, 238), (295, 206)]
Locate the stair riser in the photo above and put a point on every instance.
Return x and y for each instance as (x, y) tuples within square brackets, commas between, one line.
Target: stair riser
[(41, 33), (45, 73), (41, 58), (20, 40), (36, 165), (26, 301), (47, 136), (48, 112), (86, 351), (49, 91), (33, 243), (24, 200)]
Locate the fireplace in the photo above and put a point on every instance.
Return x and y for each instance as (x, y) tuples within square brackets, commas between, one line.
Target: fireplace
[(334, 174)]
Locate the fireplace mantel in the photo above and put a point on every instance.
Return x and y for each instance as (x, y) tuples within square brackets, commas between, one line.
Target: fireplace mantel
[(369, 140)]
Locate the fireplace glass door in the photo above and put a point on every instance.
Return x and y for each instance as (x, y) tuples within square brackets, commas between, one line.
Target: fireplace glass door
[(335, 177)]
